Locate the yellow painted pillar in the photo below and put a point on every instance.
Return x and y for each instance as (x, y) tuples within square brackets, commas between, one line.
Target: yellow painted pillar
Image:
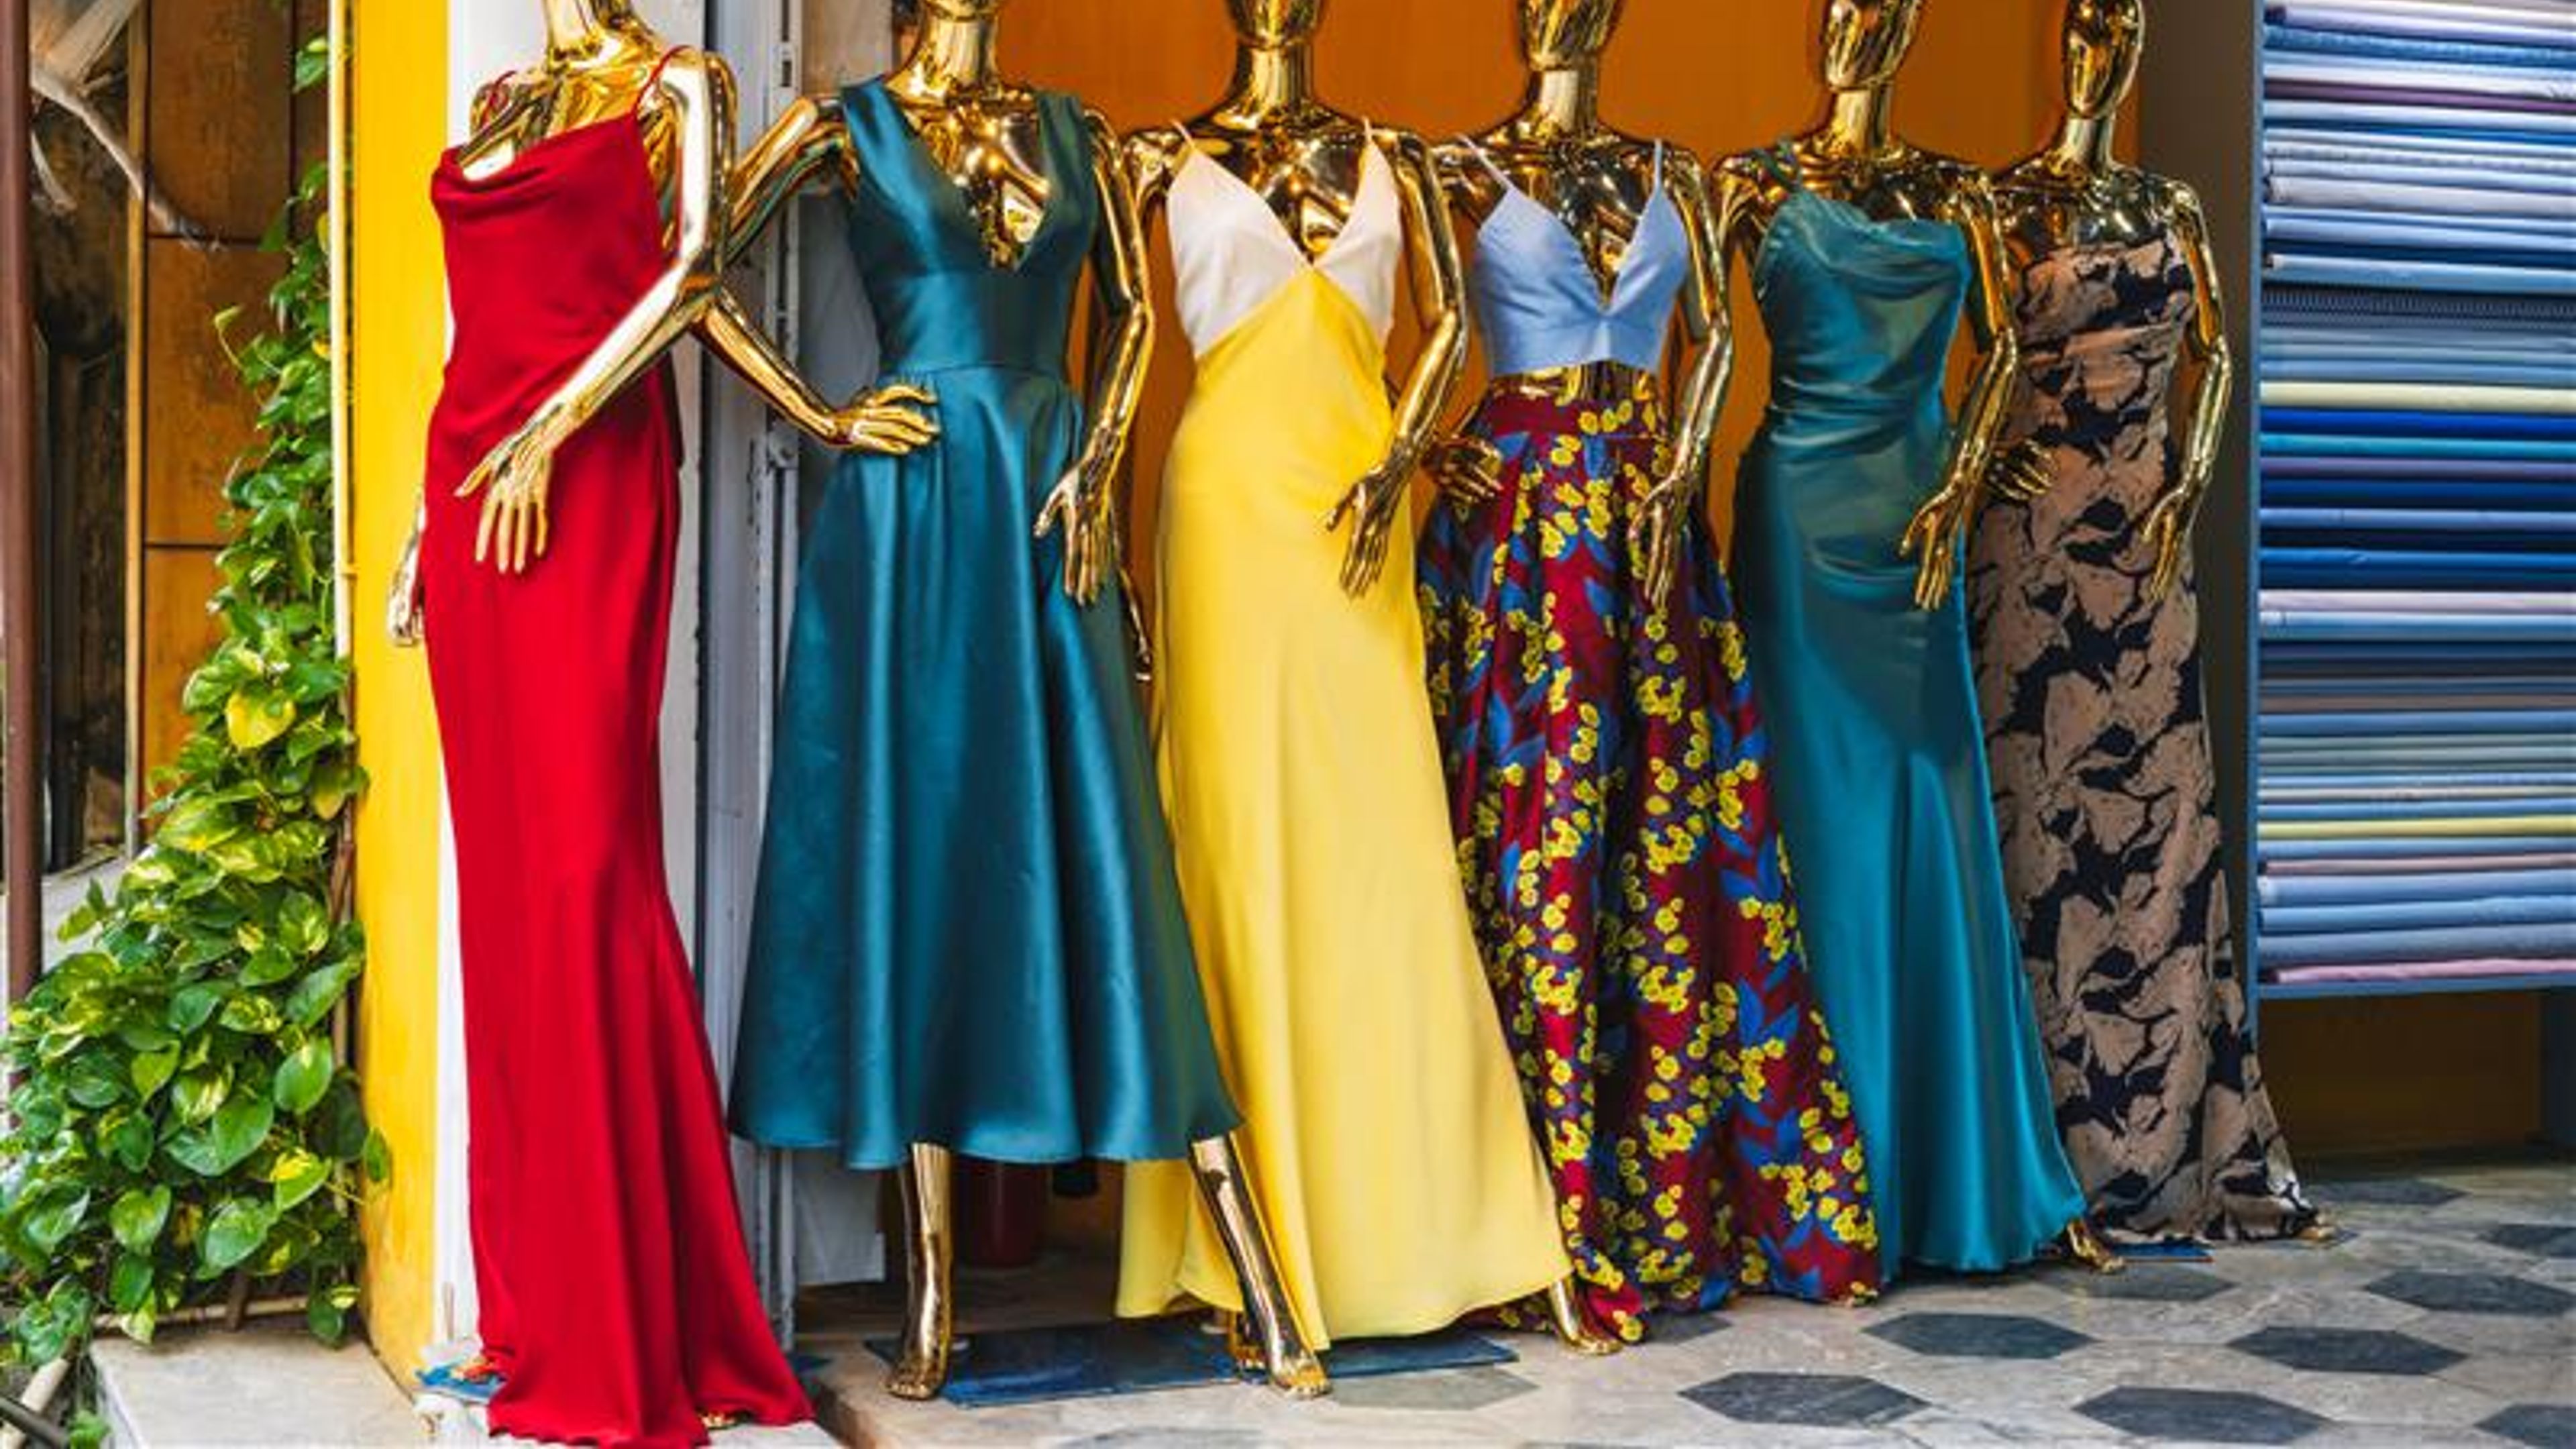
[(397, 345)]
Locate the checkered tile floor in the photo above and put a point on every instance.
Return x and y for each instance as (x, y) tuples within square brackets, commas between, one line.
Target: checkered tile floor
[(2443, 1319)]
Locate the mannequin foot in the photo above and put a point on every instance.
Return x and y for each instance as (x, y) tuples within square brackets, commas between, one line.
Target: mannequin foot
[(2324, 1232), (2086, 1247), (1574, 1326), (1240, 1342), (1290, 1367), (921, 1373)]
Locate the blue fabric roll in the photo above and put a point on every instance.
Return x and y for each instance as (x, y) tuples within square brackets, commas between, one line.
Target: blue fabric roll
[(2340, 445), (2352, 422), (2523, 524), (2302, 891), (2548, 939), (2417, 722), (2302, 266), (2308, 624), (2299, 39), (2466, 914), (2485, 470)]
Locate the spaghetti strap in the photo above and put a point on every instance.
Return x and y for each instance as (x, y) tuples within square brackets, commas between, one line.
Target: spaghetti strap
[(1657, 186), (653, 82), (1492, 167), (1778, 162)]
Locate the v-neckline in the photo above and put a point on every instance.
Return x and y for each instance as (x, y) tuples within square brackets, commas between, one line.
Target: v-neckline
[(1279, 229), (1606, 289), (960, 203)]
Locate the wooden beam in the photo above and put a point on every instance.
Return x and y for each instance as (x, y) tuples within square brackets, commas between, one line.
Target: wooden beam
[(20, 632)]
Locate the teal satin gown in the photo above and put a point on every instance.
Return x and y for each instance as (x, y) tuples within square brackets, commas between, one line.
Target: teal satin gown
[(968, 930), (1879, 759)]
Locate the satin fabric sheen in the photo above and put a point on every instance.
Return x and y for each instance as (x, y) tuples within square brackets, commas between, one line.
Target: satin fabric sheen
[(1539, 305), (968, 931), (616, 1294), (1881, 769), (1384, 1127)]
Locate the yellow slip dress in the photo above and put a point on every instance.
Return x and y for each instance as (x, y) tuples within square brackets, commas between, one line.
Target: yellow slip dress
[(1387, 1140)]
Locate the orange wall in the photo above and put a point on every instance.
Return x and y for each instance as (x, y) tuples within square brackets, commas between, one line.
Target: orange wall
[(1983, 83)]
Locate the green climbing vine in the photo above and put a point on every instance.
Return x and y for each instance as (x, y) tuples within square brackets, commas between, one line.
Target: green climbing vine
[(180, 1125)]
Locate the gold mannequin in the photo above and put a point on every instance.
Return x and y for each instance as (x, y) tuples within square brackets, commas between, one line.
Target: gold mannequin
[(2074, 194), (599, 60), (1600, 182), (1856, 156), (1305, 159), (984, 131)]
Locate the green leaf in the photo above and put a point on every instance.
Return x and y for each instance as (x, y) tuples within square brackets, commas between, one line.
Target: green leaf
[(151, 1071), (305, 1076), (129, 1143), (252, 1015), (319, 991), (267, 966), (238, 1229), (129, 1287), (297, 1175), (193, 1006), (95, 1079), (54, 1216), (199, 1091), (197, 826), (240, 1127), (302, 925), (378, 1158), (195, 1151), (256, 715), (137, 1218), (327, 1321), (338, 1128)]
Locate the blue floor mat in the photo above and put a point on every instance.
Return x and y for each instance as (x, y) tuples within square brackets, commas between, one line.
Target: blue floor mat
[(1035, 1365)]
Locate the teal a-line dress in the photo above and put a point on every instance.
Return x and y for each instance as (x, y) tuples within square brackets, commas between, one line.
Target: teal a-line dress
[(1878, 757), (967, 931)]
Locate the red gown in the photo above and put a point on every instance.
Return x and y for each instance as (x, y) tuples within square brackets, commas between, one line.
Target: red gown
[(617, 1296)]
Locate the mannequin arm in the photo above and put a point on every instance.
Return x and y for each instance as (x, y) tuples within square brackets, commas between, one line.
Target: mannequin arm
[(1439, 283), (2169, 524), (1709, 330), (1085, 503), (1938, 528), (515, 477)]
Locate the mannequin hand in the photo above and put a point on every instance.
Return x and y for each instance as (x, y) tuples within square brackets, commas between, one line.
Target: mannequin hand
[(2167, 530), (402, 597), (2019, 472), (1078, 507), (890, 420), (1655, 536), (514, 481), (1469, 469), (1371, 507), (1934, 534)]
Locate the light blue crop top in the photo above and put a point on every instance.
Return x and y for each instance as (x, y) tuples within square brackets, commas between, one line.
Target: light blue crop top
[(1540, 303)]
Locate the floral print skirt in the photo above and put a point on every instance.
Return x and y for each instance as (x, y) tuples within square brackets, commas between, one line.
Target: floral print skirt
[(1607, 771)]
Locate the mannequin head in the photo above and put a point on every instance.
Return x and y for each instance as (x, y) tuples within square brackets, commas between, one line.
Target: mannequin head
[(1273, 24), (968, 10), (572, 23), (2104, 40), (1562, 34), (1866, 41)]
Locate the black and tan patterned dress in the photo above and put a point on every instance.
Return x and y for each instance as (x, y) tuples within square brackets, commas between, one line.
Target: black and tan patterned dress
[(2103, 791)]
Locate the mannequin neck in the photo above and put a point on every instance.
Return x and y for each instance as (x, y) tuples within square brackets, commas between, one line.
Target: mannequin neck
[(1861, 123), (2084, 144), (578, 30), (953, 54), (1562, 103), (1270, 81)]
